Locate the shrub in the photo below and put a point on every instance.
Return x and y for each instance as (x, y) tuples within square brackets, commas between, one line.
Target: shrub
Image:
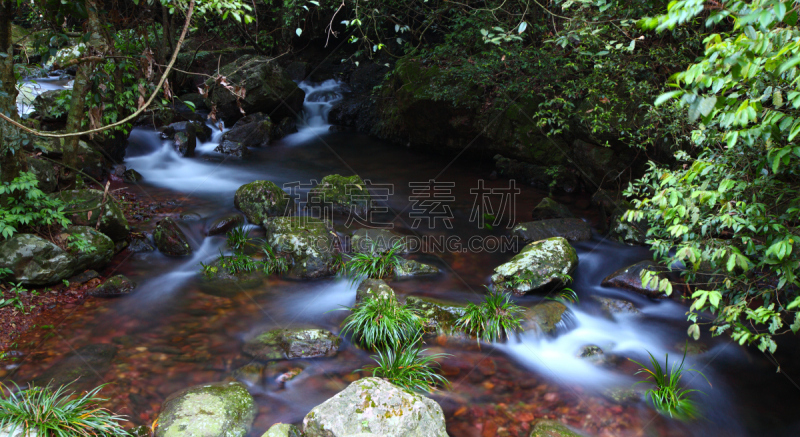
[(57, 413), (491, 319), (668, 398), (373, 264), (409, 368), (381, 322), (27, 207)]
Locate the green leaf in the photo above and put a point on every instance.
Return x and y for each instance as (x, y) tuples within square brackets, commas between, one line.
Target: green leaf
[(666, 96), (298, 31), (694, 331)]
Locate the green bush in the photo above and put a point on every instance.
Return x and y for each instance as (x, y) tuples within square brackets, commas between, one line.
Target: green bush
[(381, 322), (26, 207), (373, 264), (492, 319)]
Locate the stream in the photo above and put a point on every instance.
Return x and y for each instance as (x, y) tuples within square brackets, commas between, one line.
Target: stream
[(175, 331)]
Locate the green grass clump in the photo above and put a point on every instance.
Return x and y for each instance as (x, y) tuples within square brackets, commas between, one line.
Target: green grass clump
[(666, 394), (273, 262), (409, 368), (565, 296), (238, 238), (373, 264), (57, 413), (382, 322), (493, 318)]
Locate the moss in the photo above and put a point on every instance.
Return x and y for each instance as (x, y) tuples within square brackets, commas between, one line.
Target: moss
[(344, 194), (261, 199)]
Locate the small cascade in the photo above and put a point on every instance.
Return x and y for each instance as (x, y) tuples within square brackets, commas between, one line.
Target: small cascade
[(313, 121)]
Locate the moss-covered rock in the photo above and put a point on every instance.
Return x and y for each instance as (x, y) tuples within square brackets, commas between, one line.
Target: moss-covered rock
[(572, 229), (267, 88), (65, 55), (261, 199), (630, 278), (550, 209), (611, 307), (439, 316), (114, 286), (225, 224), (131, 176), (375, 241), (251, 131), (88, 205), (45, 173), (409, 267), (170, 239), (545, 317), (308, 241), (371, 288), (281, 344), (341, 195), (540, 266), (282, 430), (552, 428), (374, 405), (222, 409)]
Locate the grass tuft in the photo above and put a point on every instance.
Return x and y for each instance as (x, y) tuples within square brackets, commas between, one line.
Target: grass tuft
[(492, 319), (381, 322), (409, 368), (373, 264)]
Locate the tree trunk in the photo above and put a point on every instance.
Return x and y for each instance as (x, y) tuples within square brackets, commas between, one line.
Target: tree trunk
[(11, 162)]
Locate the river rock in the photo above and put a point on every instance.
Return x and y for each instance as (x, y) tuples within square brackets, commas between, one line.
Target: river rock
[(375, 241), (170, 239), (371, 288), (114, 286), (45, 173), (340, 195), (261, 199), (572, 229), (407, 268), (281, 344), (552, 428), (36, 261), (140, 242), (113, 222), (630, 278), (185, 143), (540, 266), (200, 130), (439, 316), (132, 176), (612, 307), (309, 241), (86, 364), (251, 131), (18, 430), (225, 224), (545, 317), (287, 126), (283, 430), (550, 209), (220, 409), (375, 406), (267, 88)]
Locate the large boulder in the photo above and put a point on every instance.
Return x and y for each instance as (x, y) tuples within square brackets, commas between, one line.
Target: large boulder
[(375, 406), (88, 206), (36, 261), (572, 229), (340, 195), (221, 409), (282, 344), (170, 239), (261, 199), (540, 266), (283, 430), (89, 157), (550, 209), (630, 278), (308, 241), (251, 131), (267, 88)]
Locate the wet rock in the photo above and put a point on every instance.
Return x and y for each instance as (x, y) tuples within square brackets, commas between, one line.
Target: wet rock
[(84, 277), (550, 209), (623, 395), (86, 363), (141, 243), (298, 70), (250, 374), (89, 205), (99, 248), (114, 286), (287, 126), (630, 278), (200, 130), (225, 224), (220, 409), (540, 266), (280, 344), (224, 283), (632, 233), (545, 317), (251, 131), (340, 195), (552, 428), (261, 199), (283, 430), (190, 216), (440, 316), (267, 89), (374, 241), (185, 143), (372, 288), (612, 307), (595, 355), (45, 173), (132, 176), (309, 242), (373, 405), (572, 229), (47, 109), (170, 239), (407, 268)]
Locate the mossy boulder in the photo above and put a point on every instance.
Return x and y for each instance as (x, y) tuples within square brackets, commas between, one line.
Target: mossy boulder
[(540, 266), (251, 131), (65, 55), (115, 286), (550, 209), (221, 409), (45, 173), (36, 261), (283, 430), (545, 317), (309, 242), (282, 344), (439, 316), (373, 288), (376, 406), (266, 86), (170, 239), (340, 195), (261, 199), (88, 206), (630, 278), (225, 224), (409, 267), (572, 229), (375, 241), (552, 428)]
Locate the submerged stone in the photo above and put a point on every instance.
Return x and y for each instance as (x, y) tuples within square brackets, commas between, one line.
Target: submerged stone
[(540, 266), (114, 286), (221, 409), (280, 344), (86, 364), (545, 317), (170, 239)]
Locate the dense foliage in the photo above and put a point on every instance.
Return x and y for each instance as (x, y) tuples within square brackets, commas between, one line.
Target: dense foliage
[(26, 207)]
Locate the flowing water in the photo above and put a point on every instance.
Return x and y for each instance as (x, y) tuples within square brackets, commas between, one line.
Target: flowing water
[(176, 330)]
